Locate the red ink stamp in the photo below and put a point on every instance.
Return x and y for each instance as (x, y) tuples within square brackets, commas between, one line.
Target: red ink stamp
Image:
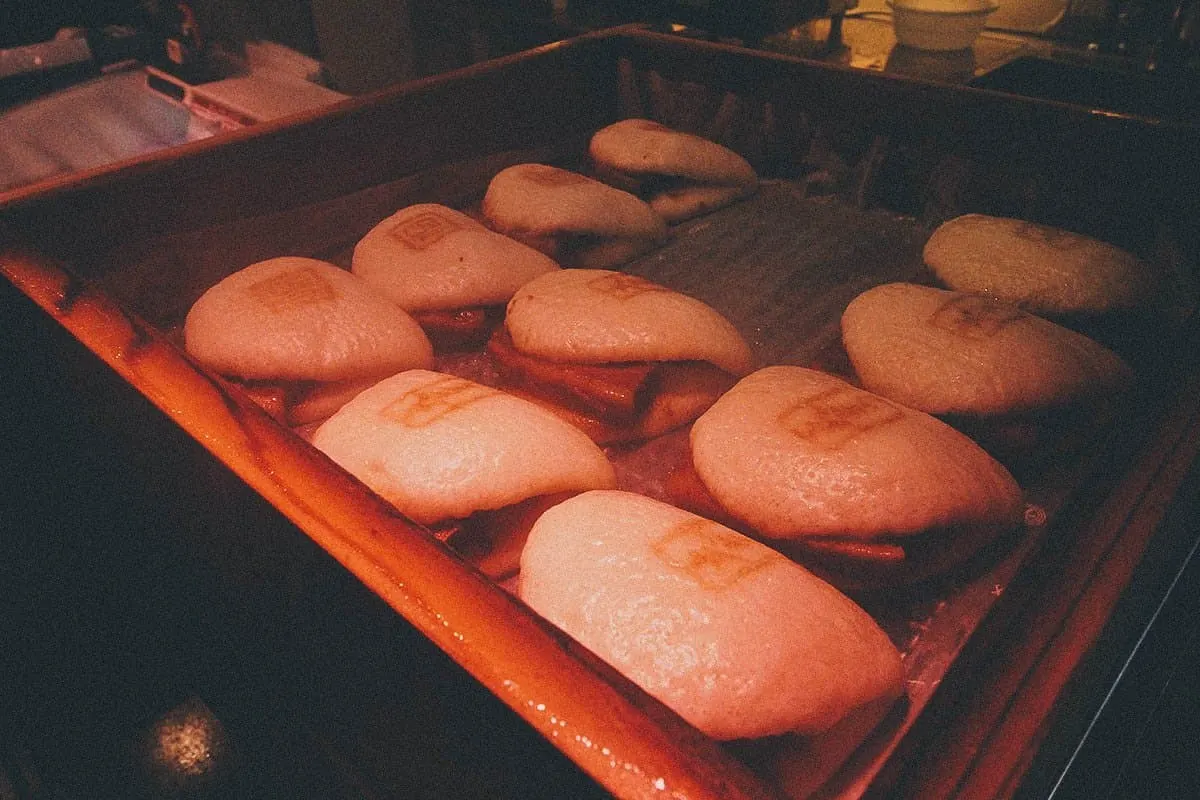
[(833, 417), (714, 556), (289, 291), (434, 401), (974, 316), (419, 231)]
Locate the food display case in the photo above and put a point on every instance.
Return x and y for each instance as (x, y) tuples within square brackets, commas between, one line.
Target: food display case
[(323, 591)]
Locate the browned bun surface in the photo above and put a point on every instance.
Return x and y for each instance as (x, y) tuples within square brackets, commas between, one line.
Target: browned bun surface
[(623, 358), (439, 447), (802, 456), (946, 352), (577, 220), (642, 146), (680, 174), (300, 319), (601, 316), (429, 257), (738, 640), (1040, 268)]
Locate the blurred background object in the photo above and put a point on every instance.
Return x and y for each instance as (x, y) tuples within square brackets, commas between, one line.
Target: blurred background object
[(84, 85), (88, 84)]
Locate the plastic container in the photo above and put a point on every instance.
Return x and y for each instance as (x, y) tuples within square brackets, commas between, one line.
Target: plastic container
[(940, 24)]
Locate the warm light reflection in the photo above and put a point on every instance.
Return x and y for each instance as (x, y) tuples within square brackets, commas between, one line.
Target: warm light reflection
[(188, 743)]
